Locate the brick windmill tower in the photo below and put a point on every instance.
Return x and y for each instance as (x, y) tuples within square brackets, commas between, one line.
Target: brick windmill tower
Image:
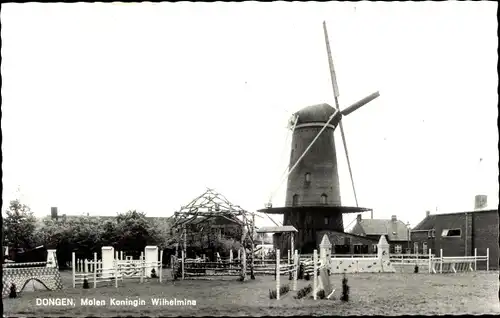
[(313, 201)]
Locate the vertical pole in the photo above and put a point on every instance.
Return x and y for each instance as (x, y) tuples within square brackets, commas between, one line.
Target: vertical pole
[(475, 259), (239, 255), (185, 240), (182, 264), (143, 269), (73, 262), (161, 265), (121, 255), (430, 261), (289, 263), (95, 270), (487, 259), (278, 274), (252, 275), (441, 264), (262, 249), (115, 265), (295, 269), (315, 274)]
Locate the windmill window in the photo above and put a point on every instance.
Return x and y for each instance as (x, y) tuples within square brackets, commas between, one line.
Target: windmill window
[(424, 247), (308, 177), (323, 198), (326, 220), (451, 233), (295, 200)]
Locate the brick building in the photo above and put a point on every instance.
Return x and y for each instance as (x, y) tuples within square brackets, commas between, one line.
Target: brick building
[(395, 231), (458, 234)]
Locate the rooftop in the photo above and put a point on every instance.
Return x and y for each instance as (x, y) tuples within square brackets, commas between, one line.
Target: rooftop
[(395, 230), (319, 113)]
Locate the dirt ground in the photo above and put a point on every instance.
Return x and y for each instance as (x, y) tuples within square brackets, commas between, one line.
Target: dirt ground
[(370, 294)]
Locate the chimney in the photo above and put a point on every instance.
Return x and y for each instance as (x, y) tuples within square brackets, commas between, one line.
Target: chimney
[(358, 217), (53, 213), (480, 202), (394, 218), (427, 213)]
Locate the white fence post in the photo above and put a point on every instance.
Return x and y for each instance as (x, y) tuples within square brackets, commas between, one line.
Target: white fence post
[(475, 259), (95, 270), (441, 264), (487, 259), (278, 274), (430, 261), (73, 263), (315, 274)]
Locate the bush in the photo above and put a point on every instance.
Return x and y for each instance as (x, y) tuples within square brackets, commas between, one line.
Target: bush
[(13, 292), (283, 291), (345, 289), (153, 273), (321, 294), (85, 283), (303, 292), (416, 269)]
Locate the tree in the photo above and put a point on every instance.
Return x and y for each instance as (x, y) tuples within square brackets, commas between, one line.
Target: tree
[(19, 226), (135, 232)]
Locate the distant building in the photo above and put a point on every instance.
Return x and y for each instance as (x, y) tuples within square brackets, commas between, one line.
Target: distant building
[(396, 232), (458, 234)]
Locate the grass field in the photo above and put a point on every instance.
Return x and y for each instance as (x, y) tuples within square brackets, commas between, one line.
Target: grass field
[(370, 294)]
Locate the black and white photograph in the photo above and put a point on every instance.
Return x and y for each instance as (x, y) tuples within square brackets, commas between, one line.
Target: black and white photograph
[(250, 159)]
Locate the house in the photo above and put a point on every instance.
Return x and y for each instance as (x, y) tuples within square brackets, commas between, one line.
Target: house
[(396, 232), (459, 234)]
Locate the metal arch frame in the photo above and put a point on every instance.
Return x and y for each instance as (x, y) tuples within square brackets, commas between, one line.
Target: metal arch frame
[(211, 205)]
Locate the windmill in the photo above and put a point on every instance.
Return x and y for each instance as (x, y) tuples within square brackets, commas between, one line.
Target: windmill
[(313, 191)]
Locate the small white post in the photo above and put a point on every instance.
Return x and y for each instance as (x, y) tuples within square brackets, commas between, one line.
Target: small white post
[(95, 270), (121, 255), (430, 261), (73, 262), (239, 254), (86, 265), (441, 264), (475, 259), (230, 257), (278, 274), (315, 273), (487, 259)]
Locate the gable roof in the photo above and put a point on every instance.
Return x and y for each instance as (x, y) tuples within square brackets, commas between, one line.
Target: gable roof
[(428, 223), (385, 227)]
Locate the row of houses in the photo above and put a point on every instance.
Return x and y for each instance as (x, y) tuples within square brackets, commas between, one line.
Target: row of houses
[(457, 234)]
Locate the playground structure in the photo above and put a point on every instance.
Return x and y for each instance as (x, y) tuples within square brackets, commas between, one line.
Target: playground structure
[(204, 211), (20, 274), (113, 267)]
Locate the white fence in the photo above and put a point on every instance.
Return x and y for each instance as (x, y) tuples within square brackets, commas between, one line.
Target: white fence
[(118, 271)]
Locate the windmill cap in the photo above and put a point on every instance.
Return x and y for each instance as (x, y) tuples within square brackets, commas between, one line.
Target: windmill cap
[(319, 113)]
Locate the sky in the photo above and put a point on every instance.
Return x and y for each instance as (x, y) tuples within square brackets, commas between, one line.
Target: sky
[(112, 107)]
